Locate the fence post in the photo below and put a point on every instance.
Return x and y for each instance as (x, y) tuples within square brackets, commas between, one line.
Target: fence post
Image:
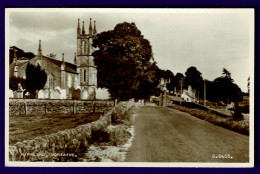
[(45, 108), (74, 107), (94, 109), (25, 108), (115, 102)]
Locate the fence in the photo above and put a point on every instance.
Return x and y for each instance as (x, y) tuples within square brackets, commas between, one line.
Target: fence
[(48, 106)]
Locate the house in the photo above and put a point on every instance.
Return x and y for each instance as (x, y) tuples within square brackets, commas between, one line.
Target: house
[(189, 95)]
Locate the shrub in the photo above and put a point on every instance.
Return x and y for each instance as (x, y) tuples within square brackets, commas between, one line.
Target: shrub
[(14, 81), (118, 134), (99, 136)]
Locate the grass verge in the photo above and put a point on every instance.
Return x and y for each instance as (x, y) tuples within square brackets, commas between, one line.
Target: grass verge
[(220, 120)]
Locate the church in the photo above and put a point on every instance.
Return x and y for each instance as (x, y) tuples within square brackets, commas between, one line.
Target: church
[(64, 78)]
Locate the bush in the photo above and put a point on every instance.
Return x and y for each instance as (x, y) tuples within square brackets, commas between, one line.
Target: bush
[(99, 136), (118, 134), (244, 109), (14, 81)]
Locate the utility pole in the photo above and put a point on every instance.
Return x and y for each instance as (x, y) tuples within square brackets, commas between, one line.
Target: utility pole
[(181, 89), (204, 93)]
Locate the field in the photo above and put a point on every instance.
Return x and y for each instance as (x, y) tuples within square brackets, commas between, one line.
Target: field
[(28, 127)]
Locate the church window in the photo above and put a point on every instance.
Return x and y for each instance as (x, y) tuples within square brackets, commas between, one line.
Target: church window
[(84, 75), (51, 81), (83, 48)]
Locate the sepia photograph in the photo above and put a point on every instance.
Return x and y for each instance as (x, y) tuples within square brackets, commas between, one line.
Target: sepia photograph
[(125, 87)]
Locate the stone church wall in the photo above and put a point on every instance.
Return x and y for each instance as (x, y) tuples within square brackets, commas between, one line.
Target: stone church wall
[(47, 106), (50, 68)]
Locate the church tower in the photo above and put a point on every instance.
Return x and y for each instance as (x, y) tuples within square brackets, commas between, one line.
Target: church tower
[(84, 59)]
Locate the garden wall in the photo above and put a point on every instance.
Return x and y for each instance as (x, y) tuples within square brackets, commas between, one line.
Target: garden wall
[(66, 145), (43, 106)]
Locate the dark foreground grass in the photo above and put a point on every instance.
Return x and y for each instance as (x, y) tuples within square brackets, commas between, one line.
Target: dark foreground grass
[(28, 127), (220, 120)]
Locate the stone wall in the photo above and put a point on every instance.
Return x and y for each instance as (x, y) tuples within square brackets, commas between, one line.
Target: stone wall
[(43, 106), (69, 143)]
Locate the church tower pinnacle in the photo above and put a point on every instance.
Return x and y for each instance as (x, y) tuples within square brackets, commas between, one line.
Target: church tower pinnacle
[(40, 49), (78, 29), (90, 27), (95, 30), (83, 28)]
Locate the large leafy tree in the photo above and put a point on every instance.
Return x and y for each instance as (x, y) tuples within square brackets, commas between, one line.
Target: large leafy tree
[(35, 78), (124, 62), (194, 78), (19, 54), (225, 89)]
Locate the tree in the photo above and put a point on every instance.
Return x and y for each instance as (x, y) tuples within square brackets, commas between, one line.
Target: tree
[(194, 79), (29, 55), (177, 78), (124, 62), (19, 54), (14, 81), (225, 89), (226, 74), (35, 78)]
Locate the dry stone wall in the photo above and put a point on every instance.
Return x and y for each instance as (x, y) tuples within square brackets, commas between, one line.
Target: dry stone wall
[(66, 145), (43, 106)]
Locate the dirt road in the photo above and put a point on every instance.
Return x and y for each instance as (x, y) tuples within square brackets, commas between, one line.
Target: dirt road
[(167, 135)]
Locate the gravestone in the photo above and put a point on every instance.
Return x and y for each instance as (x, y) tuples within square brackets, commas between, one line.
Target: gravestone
[(11, 94), (63, 94), (56, 94), (41, 94), (84, 94), (51, 94), (19, 92), (46, 93), (91, 93), (76, 94)]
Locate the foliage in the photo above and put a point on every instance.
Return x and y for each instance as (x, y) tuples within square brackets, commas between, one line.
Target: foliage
[(124, 62), (19, 54), (14, 81), (176, 80), (35, 78), (194, 79), (224, 89)]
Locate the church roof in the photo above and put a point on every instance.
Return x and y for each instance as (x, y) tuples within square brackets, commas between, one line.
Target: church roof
[(19, 63), (69, 67)]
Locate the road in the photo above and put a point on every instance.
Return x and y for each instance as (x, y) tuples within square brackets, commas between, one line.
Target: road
[(167, 135)]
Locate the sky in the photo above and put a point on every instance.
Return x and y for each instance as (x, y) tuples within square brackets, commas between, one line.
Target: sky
[(209, 39)]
